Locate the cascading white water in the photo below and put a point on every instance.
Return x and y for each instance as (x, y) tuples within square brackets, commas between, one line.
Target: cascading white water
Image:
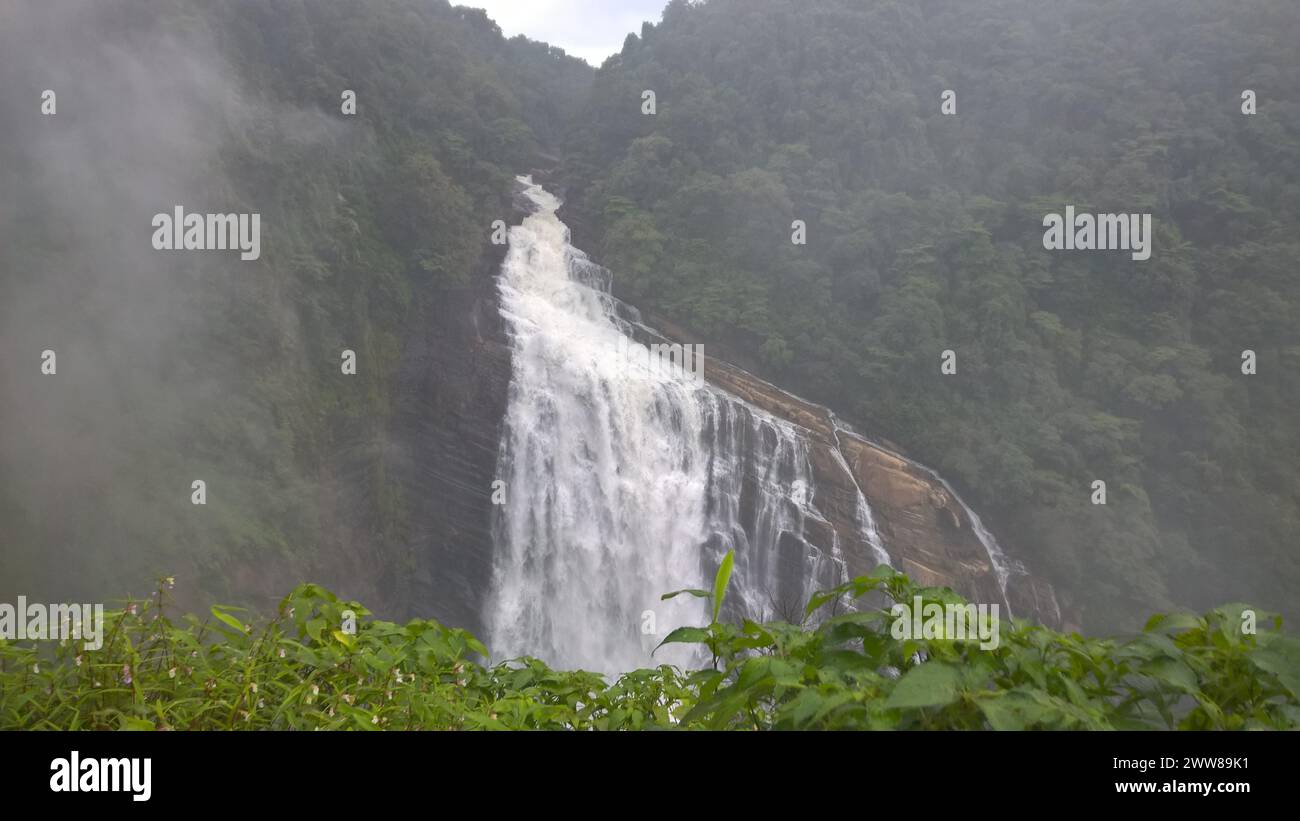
[(1003, 566), (866, 520), (623, 482), (760, 493)]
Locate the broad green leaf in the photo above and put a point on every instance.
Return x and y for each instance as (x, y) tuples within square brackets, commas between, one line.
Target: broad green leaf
[(930, 684), (1173, 622), (1174, 673), (227, 619), (701, 594), (314, 629), (720, 582), (1016, 710), (685, 635), (1285, 667)]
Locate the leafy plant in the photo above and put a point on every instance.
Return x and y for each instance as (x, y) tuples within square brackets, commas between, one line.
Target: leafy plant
[(303, 670)]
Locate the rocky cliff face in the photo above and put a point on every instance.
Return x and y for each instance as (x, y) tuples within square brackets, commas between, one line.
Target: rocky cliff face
[(452, 389), (927, 530), (406, 529)]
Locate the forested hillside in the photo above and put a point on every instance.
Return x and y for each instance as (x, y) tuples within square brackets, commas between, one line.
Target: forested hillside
[(174, 368), (924, 233)]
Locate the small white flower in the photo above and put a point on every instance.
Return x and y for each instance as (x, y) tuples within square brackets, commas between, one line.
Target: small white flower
[(374, 719), (36, 668), (254, 687), (281, 652), (171, 673)]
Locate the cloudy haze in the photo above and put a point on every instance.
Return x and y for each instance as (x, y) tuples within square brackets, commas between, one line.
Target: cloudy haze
[(590, 29)]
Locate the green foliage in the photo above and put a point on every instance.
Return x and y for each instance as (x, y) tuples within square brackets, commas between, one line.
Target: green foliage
[(367, 218), (302, 670), (924, 234), (420, 209)]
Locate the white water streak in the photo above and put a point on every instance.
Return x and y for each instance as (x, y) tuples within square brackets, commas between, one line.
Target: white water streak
[(623, 483)]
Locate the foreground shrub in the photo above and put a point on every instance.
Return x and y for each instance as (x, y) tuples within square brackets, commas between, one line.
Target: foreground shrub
[(303, 670)]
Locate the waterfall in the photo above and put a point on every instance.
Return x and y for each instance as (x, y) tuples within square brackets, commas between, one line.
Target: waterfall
[(866, 520), (1003, 566), (623, 482)]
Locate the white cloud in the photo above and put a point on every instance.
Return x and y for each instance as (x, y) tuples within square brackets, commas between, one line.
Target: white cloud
[(590, 29)]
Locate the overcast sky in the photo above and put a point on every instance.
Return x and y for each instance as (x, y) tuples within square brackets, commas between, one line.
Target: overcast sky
[(590, 29)]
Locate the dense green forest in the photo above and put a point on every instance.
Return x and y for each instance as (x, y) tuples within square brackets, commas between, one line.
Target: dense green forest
[(924, 233), (199, 368)]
